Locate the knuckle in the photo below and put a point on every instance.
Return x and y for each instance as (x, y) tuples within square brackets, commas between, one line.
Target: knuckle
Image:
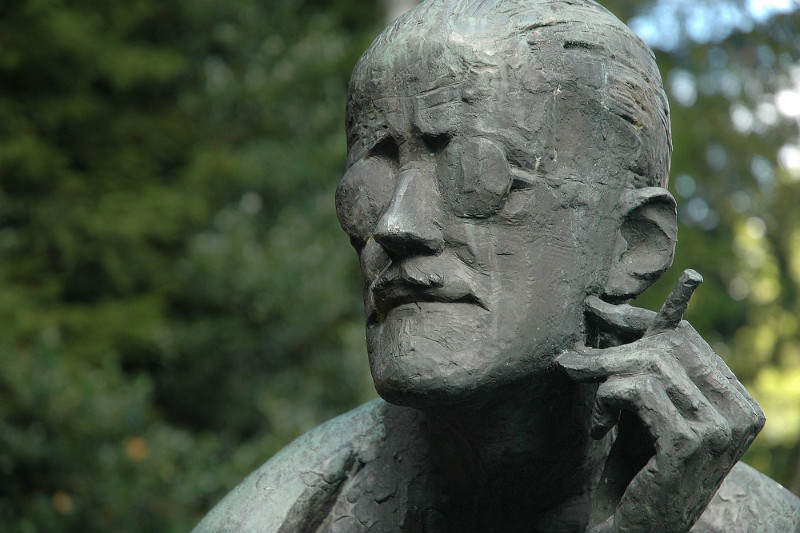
[(651, 366), (692, 445), (687, 443), (605, 391), (719, 437), (648, 389), (660, 365), (649, 384), (751, 423)]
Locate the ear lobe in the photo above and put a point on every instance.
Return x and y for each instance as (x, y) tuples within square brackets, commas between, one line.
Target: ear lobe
[(645, 242)]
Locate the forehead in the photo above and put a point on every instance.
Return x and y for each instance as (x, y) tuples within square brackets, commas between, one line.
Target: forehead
[(544, 120), (454, 86)]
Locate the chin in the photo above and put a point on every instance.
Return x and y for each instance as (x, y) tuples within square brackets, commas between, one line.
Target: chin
[(439, 354), (426, 354), (401, 381), (431, 380)]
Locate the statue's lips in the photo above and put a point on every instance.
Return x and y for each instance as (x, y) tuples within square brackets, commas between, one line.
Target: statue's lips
[(391, 292)]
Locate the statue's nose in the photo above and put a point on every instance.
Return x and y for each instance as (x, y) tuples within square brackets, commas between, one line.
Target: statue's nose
[(412, 222)]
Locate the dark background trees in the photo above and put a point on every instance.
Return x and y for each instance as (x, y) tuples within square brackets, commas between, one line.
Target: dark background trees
[(177, 300)]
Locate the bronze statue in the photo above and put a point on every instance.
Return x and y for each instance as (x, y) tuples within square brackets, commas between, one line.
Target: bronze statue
[(505, 192)]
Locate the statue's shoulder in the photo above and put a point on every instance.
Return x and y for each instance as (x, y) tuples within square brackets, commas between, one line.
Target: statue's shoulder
[(748, 501), (295, 488)]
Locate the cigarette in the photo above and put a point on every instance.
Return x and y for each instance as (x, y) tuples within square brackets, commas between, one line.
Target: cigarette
[(675, 306)]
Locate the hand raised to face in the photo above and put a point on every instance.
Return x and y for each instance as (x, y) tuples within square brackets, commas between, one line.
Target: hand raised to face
[(698, 416)]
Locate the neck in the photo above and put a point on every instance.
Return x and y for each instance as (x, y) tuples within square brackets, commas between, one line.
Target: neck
[(523, 455)]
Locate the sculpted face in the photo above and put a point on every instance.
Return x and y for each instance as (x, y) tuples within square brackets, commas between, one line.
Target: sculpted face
[(478, 238)]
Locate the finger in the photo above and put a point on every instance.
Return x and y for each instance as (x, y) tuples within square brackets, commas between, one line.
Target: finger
[(604, 415), (593, 365), (743, 419), (701, 356), (724, 392), (646, 397), (742, 412), (684, 397), (580, 367), (670, 314), (621, 318), (596, 366), (678, 445), (727, 419), (760, 419)]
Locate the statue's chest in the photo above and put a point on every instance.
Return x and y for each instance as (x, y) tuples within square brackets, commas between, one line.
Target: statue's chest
[(392, 489)]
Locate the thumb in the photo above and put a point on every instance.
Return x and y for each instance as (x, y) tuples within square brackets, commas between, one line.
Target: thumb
[(620, 319)]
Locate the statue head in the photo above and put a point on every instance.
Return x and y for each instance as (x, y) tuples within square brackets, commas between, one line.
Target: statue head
[(506, 159)]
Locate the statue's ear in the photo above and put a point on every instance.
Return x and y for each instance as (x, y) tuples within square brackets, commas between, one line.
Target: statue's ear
[(645, 242)]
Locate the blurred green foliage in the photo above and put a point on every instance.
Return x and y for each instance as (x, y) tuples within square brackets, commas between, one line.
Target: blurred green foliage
[(177, 299)]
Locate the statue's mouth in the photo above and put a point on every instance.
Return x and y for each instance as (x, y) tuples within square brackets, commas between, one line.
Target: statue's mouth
[(402, 284)]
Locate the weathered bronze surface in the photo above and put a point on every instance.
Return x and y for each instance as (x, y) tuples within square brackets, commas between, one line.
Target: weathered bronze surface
[(505, 192)]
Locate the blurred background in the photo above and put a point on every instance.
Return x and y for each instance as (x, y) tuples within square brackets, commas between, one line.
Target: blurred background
[(177, 301)]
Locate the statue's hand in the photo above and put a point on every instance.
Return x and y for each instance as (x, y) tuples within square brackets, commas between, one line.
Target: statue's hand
[(699, 417)]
